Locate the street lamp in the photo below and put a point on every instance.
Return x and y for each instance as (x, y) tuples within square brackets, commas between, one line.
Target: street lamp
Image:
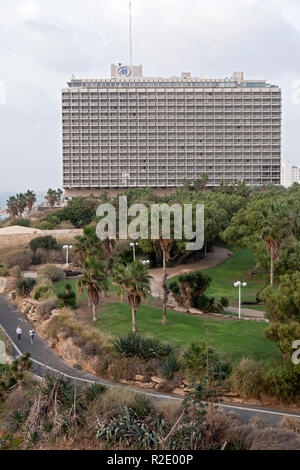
[(145, 262), (240, 284), (133, 245), (67, 248)]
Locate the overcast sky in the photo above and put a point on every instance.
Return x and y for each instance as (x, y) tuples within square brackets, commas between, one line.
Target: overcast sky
[(44, 42)]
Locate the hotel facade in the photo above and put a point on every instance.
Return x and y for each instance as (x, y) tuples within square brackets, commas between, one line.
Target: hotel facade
[(129, 131)]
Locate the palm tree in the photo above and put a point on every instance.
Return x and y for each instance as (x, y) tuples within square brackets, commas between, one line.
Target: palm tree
[(51, 197), (12, 208), (134, 279), (166, 246), (20, 203), (204, 181), (88, 245), (59, 194), (94, 280), (30, 198), (276, 229)]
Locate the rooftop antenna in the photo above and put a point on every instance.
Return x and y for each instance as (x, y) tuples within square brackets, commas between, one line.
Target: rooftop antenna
[(130, 30)]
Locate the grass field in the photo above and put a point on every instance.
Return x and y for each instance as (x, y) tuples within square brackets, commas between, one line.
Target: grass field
[(236, 339), (235, 268)]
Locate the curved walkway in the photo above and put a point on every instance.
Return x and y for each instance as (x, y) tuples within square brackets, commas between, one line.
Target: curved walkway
[(45, 361), (217, 256)]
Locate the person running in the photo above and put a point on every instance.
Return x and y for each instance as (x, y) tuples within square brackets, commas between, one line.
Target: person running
[(31, 334), (19, 332)]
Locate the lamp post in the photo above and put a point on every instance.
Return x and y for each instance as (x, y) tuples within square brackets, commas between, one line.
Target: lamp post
[(240, 284), (145, 262), (133, 245), (67, 248)]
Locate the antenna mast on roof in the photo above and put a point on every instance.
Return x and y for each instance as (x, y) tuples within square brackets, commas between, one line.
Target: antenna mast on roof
[(130, 30)]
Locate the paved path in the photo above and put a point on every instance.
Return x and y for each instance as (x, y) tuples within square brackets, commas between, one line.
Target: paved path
[(45, 361), (217, 256)]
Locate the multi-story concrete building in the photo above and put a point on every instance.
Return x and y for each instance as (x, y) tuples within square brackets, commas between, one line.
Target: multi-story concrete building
[(129, 131), (290, 174)]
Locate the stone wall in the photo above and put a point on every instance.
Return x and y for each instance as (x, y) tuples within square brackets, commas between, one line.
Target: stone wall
[(21, 239)]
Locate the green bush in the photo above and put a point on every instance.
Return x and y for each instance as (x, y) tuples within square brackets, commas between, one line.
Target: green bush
[(20, 222), (25, 286), (4, 270), (224, 301), (67, 298), (248, 378), (47, 243), (143, 347), (169, 368), (284, 382), (44, 290), (52, 272)]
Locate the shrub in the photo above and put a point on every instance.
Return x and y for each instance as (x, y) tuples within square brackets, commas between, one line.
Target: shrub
[(169, 368), (224, 301), (145, 348), (52, 272), (47, 243), (45, 308), (4, 269), (25, 286), (284, 382), (15, 272), (20, 222), (43, 290), (18, 257), (67, 298), (248, 378), (39, 257)]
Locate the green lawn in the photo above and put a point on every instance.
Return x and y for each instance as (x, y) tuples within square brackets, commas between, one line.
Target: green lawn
[(235, 268), (236, 339)]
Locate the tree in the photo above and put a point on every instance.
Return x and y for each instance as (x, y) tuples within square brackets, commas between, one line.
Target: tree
[(134, 279), (51, 197), (88, 245), (283, 311), (20, 203), (12, 208), (94, 280), (275, 228), (79, 211), (59, 194), (30, 198), (47, 243), (189, 288)]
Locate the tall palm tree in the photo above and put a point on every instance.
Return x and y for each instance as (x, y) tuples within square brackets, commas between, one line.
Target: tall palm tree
[(59, 194), (165, 246), (94, 280), (11, 205), (88, 245), (20, 203), (134, 279), (51, 197), (30, 198), (276, 228)]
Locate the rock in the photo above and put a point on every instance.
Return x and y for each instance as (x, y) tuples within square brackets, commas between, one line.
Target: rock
[(146, 385), (186, 382), (126, 382), (139, 378), (179, 391), (157, 380), (231, 395)]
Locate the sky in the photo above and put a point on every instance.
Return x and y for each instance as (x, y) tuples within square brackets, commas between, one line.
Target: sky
[(44, 42)]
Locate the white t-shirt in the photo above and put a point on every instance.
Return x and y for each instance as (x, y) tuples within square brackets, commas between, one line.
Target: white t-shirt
[(19, 331)]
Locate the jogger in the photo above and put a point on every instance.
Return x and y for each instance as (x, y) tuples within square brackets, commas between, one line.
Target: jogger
[(31, 334), (19, 332)]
